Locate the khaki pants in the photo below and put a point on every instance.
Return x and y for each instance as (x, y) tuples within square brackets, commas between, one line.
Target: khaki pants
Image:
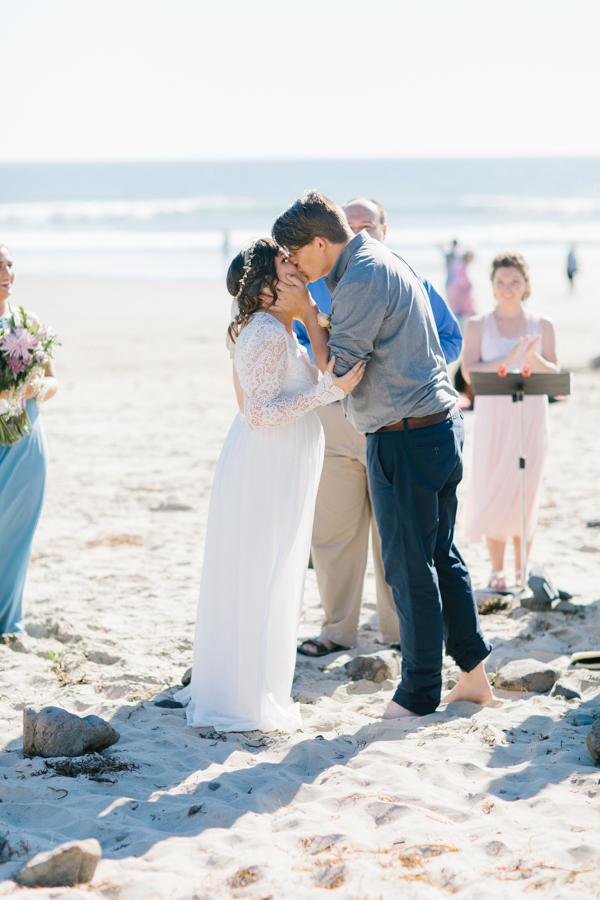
[(343, 517)]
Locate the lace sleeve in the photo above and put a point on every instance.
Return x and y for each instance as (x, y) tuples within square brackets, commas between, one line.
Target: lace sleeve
[(261, 373)]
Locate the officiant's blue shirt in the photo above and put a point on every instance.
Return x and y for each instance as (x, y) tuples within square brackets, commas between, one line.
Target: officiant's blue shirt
[(445, 322)]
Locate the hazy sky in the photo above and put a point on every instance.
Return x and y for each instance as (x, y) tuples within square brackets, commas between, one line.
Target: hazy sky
[(199, 79)]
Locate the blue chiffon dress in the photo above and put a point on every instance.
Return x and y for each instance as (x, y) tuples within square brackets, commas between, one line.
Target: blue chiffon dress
[(22, 481)]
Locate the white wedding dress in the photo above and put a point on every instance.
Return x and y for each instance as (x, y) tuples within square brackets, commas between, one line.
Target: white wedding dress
[(258, 538)]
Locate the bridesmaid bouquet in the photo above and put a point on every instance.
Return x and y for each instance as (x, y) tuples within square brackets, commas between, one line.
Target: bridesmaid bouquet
[(25, 351)]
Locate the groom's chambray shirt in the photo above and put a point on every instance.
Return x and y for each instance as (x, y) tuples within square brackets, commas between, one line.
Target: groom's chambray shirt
[(381, 316)]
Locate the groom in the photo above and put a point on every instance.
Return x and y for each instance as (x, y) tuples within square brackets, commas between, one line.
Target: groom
[(406, 407)]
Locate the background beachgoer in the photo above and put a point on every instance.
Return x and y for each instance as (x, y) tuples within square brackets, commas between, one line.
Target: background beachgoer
[(572, 267)]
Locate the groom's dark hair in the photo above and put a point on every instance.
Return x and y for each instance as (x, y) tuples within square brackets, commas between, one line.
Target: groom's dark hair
[(311, 216)]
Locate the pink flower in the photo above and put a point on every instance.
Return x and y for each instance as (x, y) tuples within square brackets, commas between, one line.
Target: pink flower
[(16, 366), (19, 343)]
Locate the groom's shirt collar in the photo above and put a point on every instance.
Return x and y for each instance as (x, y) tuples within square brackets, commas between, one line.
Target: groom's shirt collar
[(341, 264)]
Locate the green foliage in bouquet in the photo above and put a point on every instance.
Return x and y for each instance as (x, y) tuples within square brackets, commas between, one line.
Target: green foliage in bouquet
[(25, 351)]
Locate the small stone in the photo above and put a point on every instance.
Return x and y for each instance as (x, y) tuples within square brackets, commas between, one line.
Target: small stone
[(536, 604), (68, 864), (564, 689), (495, 848), (195, 809), (214, 785), (328, 876), (169, 704), (565, 606), (187, 677), (372, 668), (244, 877), (580, 719), (55, 732), (526, 675), (319, 843), (593, 741)]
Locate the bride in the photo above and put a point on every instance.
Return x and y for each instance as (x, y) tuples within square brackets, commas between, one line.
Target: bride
[(261, 508)]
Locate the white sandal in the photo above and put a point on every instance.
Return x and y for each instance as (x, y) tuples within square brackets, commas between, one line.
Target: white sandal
[(519, 578), (497, 581)]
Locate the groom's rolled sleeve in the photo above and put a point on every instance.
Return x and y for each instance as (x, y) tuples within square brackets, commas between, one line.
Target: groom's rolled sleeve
[(357, 311)]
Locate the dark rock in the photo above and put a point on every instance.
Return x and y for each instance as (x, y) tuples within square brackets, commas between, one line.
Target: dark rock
[(530, 601), (565, 606), (68, 864), (195, 809), (564, 689), (55, 732), (187, 677), (169, 704), (593, 741), (372, 668), (526, 675), (214, 785), (14, 641)]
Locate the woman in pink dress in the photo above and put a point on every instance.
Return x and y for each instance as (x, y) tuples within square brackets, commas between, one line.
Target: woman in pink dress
[(513, 337), (459, 288)]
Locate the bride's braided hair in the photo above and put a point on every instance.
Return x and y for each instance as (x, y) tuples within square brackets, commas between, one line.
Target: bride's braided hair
[(250, 271)]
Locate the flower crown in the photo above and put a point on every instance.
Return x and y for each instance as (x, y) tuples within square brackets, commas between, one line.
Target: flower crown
[(248, 256)]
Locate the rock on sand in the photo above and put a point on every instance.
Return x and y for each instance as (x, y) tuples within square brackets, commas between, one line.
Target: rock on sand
[(56, 732), (68, 864), (526, 675), (593, 741)]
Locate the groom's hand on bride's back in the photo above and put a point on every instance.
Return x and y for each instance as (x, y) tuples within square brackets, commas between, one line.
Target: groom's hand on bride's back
[(348, 381), (293, 297)]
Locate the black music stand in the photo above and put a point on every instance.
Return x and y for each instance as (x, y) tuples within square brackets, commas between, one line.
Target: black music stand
[(553, 384)]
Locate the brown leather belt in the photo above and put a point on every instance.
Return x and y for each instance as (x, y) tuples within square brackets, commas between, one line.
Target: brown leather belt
[(418, 421)]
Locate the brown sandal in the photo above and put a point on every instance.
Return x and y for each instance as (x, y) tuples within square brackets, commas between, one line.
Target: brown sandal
[(320, 648)]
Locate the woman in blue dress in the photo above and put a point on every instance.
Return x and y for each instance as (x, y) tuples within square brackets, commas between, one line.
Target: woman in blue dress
[(22, 481)]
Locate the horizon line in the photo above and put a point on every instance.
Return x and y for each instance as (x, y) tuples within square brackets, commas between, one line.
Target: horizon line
[(292, 159)]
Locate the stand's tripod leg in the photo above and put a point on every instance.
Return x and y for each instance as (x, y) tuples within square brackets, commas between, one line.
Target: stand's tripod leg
[(522, 477)]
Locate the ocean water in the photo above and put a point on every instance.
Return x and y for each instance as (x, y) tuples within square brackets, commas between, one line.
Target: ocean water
[(185, 220)]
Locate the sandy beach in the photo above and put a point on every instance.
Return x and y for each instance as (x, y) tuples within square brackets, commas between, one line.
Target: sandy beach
[(483, 802)]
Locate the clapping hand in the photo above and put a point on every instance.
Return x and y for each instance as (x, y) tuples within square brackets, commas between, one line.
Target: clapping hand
[(348, 381), (531, 349), (513, 354)]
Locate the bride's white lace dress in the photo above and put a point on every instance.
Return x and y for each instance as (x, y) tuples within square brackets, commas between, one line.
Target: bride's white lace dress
[(258, 538)]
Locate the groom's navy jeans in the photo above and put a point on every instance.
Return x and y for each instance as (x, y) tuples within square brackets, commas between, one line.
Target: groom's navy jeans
[(414, 476)]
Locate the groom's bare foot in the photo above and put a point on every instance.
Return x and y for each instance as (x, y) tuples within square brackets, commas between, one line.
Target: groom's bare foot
[(472, 686), (392, 711)]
